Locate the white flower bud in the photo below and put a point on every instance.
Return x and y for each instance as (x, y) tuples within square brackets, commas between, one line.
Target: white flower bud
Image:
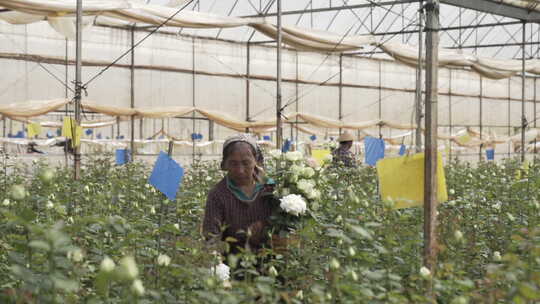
[(6, 202), (152, 210), (497, 256), (107, 265), (49, 205), (458, 235), (425, 273), (511, 218), (163, 260), (300, 295), (128, 268), (354, 275), (177, 226), (137, 287), (334, 264), (75, 255), (352, 251), (272, 271)]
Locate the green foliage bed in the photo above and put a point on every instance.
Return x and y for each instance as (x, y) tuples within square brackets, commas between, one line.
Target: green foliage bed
[(56, 233)]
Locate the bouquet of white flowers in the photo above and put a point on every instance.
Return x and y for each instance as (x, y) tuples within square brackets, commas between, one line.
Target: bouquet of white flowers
[(295, 190)]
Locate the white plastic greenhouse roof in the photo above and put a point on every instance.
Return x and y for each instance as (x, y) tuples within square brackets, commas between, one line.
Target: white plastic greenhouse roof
[(490, 28)]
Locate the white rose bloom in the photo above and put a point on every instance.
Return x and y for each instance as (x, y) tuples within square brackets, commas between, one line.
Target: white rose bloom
[(275, 153), (107, 265), (222, 271), (177, 226), (294, 155), (129, 267), (424, 272), (137, 287), (296, 170), (6, 202), (308, 172), (497, 256), (152, 210), (49, 205), (163, 260), (328, 158), (293, 204), (305, 185)]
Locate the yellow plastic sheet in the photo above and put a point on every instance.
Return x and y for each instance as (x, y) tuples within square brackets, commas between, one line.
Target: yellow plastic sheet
[(33, 130), (401, 180), (320, 156)]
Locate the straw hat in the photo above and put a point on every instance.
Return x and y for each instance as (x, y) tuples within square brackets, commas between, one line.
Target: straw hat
[(345, 136)]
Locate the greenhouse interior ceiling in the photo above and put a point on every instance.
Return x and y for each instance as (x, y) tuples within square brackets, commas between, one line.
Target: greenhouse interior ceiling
[(198, 71)]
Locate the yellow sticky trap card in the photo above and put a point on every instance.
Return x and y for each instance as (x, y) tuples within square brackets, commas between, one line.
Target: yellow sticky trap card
[(401, 180), (320, 156), (68, 126), (464, 139), (76, 140), (33, 130)]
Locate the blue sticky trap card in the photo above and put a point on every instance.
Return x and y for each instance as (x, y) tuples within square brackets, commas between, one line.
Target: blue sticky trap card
[(122, 156), (374, 148), (402, 150), (166, 176), (490, 154)]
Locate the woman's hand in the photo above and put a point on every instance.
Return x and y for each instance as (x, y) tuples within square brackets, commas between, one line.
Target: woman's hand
[(256, 233)]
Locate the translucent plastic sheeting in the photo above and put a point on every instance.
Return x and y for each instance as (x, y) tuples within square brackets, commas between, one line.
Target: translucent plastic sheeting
[(62, 7), (31, 108)]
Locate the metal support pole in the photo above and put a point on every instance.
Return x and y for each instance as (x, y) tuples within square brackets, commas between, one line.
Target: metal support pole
[(480, 118), (78, 65), (248, 59), (279, 130), (141, 127), (132, 92), (193, 101), (380, 95), (340, 89), (509, 121), (418, 103), (296, 91), (523, 118), (534, 116), (450, 112), (430, 167)]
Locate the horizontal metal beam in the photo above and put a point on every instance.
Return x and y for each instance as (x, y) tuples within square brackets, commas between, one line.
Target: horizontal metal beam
[(497, 8), (452, 28), (336, 8), (491, 45)]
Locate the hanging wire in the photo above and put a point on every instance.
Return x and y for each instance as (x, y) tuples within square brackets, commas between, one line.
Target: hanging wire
[(137, 44), (41, 65)]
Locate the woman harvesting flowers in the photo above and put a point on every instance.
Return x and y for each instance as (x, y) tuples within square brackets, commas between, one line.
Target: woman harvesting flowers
[(239, 206)]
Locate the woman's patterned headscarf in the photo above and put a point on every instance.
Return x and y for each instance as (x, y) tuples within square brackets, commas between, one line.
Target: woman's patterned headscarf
[(247, 138)]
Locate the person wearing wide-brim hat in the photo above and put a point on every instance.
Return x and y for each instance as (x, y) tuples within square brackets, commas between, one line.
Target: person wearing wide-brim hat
[(342, 156)]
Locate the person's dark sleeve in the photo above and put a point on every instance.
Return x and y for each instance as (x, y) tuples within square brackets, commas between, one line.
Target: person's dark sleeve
[(213, 218)]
